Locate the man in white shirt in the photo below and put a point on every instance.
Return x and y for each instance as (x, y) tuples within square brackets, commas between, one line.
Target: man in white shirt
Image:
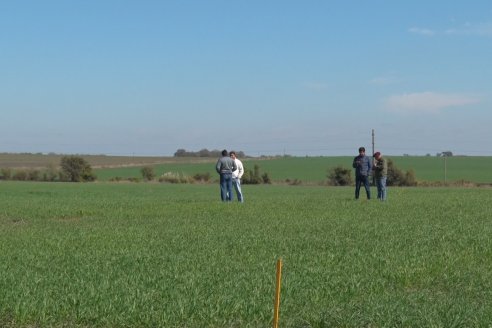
[(236, 176)]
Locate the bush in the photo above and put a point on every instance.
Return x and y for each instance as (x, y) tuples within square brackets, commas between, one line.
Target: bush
[(295, 182), (202, 177), (255, 176), (51, 173), (33, 175), (20, 175), (6, 173), (410, 178), (76, 169), (172, 177), (339, 176), (397, 177), (266, 178), (148, 173)]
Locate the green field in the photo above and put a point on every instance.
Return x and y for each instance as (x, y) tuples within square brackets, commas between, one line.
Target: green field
[(157, 255), (314, 169)]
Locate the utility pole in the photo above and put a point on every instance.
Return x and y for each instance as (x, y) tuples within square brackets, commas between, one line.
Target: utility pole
[(373, 161), (445, 168), (372, 142)]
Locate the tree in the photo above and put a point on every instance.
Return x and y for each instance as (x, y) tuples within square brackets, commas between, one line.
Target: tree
[(340, 176), (76, 169), (180, 153)]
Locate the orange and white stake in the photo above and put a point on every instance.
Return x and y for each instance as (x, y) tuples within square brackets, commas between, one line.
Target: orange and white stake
[(277, 294)]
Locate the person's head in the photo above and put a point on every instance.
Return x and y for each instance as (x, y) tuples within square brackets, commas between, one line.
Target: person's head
[(377, 155), (362, 150), (232, 153), (224, 152)]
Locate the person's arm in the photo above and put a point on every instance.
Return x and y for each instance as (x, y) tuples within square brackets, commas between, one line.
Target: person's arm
[(218, 166), (354, 163), (240, 170)]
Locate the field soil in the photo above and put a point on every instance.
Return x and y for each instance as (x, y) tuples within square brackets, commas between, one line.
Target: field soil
[(40, 161)]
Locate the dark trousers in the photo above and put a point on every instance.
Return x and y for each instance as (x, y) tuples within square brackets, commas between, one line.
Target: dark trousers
[(359, 180), (226, 186)]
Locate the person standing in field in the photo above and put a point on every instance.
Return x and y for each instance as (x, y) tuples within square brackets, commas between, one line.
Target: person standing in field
[(380, 174), (362, 165), (236, 176), (224, 167)]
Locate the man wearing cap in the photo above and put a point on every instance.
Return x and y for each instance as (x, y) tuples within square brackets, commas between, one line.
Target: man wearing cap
[(380, 174), (362, 165)]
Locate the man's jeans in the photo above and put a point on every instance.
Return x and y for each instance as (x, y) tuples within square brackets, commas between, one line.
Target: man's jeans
[(226, 186), (237, 185), (359, 180), (381, 184)]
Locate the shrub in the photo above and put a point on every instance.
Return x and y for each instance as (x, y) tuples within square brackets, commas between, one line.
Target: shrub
[(76, 169), (340, 176), (6, 173), (410, 178), (20, 175), (266, 178), (33, 175), (172, 177), (202, 177), (255, 176), (295, 182), (397, 177), (51, 173), (148, 173)]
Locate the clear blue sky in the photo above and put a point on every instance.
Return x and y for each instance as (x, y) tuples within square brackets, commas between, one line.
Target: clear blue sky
[(146, 77)]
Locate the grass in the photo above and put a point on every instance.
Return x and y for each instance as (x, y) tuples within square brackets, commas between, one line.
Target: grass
[(154, 255)]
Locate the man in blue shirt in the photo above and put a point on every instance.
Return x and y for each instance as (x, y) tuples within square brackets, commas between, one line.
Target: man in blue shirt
[(224, 167), (362, 165)]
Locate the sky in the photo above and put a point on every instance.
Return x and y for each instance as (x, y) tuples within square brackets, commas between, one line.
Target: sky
[(267, 77)]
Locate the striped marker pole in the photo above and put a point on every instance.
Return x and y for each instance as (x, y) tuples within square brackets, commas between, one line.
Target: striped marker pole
[(277, 294)]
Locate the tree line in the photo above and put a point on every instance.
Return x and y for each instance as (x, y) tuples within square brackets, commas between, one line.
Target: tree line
[(204, 153)]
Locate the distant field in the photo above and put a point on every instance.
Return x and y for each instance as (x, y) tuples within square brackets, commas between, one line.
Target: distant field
[(160, 255), (307, 169), (41, 161), (314, 169)]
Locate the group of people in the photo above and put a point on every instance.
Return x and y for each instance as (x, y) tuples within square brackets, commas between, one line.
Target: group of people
[(364, 166), (230, 169)]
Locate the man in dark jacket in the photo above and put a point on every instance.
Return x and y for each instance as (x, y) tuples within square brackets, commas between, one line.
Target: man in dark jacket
[(362, 165), (224, 167)]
